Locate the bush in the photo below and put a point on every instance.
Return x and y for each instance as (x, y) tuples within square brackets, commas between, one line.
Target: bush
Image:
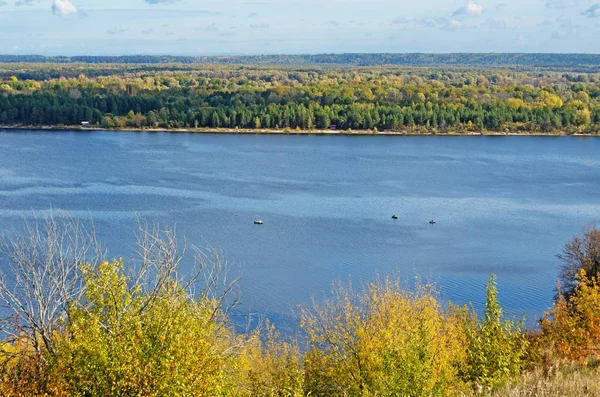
[(88, 329), (390, 342), (269, 368), (572, 328), (496, 347), (121, 341)]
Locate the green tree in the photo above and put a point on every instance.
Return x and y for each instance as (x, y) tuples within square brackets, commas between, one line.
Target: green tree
[(497, 347), (124, 341)]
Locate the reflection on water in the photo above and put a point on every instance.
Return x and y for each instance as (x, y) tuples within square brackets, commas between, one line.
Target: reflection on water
[(502, 205)]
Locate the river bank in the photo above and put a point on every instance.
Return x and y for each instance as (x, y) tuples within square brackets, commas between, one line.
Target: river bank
[(264, 131)]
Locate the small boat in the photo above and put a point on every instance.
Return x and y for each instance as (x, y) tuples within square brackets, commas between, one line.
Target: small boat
[(394, 216), (258, 222), (432, 222)]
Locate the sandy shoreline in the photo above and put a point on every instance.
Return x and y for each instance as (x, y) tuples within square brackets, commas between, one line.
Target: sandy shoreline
[(291, 132)]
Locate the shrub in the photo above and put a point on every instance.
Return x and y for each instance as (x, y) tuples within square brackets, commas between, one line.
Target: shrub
[(90, 330), (23, 372), (121, 341), (269, 368), (572, 327), (390, 342), (496, 347)]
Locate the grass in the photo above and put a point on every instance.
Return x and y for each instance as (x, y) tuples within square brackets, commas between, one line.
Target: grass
[(566, 381)]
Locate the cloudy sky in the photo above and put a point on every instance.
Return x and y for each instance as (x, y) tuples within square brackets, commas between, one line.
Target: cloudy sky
[(208, 27)]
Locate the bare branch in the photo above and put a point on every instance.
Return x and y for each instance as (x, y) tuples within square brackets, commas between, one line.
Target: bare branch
[(41, 276)]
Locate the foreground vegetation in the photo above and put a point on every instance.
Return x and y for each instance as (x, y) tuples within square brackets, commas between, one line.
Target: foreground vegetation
[(433, 99), (79, 325)]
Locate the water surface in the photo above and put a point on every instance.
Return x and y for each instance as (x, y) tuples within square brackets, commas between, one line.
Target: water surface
[(503, 205)]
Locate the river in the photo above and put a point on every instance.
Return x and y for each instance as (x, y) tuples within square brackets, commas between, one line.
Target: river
[(502, 205)]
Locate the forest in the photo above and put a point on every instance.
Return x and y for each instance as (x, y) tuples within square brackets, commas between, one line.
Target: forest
[(577, 61), (393, 99)]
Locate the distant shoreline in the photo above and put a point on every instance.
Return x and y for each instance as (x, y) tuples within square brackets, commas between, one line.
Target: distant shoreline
[(263, 131), (577, 61)]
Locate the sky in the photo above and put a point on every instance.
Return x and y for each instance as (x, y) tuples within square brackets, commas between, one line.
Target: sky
[(225, 27)]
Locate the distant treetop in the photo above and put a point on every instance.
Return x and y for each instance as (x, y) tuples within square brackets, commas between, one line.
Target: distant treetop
[(457, 59)]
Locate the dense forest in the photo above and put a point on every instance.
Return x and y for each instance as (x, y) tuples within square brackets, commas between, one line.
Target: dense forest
[(464, 59), (375, 98)]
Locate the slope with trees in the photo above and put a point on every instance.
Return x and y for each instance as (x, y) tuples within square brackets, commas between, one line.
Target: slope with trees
[(416, 100)]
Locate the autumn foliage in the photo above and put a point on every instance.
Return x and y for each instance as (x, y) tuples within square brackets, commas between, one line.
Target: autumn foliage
[(152, 334), (391, 341), (573, 326)]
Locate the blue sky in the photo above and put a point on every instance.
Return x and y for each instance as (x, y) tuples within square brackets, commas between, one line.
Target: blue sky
[(209, 27)]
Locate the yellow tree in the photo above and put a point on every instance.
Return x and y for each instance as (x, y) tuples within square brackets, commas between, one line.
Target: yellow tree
[(387, 342), (573, 327)]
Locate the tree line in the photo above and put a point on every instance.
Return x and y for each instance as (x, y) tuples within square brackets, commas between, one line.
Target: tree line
[(494, 60), (265, 98)]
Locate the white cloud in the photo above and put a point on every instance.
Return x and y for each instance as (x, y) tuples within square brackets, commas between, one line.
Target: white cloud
[(593, 11), (63, 7), (453, 26), (470, 10), (475, 26)]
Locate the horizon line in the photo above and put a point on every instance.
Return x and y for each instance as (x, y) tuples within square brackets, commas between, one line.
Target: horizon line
[(290, 54)]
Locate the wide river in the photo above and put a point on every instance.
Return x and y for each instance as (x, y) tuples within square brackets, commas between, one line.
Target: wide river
[(503, 205)]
